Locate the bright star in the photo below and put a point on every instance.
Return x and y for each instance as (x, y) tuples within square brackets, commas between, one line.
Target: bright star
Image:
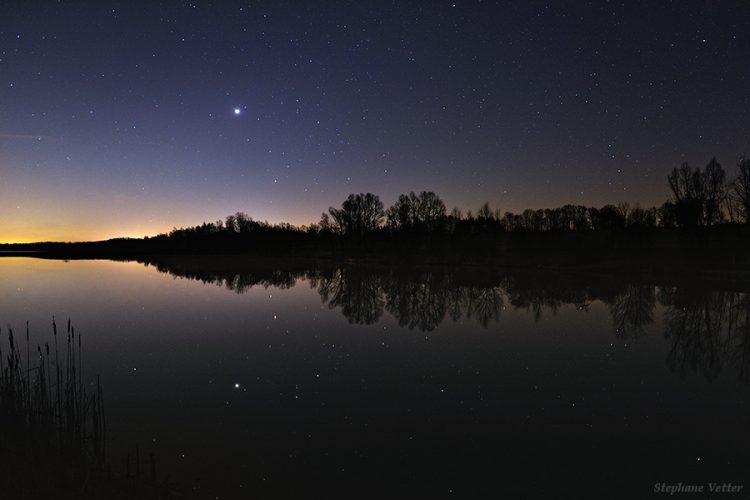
[(237, 111)]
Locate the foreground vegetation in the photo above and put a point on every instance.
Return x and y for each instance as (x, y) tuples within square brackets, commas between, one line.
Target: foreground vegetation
[(52, 443)]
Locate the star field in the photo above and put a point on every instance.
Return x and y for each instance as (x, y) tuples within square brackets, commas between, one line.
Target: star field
[(125, 119)]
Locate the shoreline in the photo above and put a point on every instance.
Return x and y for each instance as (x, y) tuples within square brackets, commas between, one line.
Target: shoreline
[(676, 272)]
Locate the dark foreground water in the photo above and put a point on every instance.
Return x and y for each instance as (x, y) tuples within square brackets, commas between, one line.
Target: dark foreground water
[(257, 380)]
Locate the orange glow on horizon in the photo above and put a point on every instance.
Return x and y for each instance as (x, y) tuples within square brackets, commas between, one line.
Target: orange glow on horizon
[(74, 235), (18, 235)]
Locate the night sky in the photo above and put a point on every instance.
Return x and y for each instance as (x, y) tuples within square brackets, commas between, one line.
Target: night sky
[(129, 118)]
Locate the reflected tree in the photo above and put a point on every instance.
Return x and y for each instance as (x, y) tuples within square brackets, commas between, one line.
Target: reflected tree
[(237, 275), (708, 331), (741, 353), (632, 311), (700, 326), (359, 294), (484, 304), (457, 298), (540, 295), (417, 303)]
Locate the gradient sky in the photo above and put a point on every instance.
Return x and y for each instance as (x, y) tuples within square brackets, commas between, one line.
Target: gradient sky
[(118, 118)]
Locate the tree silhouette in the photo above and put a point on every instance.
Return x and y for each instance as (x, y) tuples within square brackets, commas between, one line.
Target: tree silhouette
[(668, 214), (430, 210), (359, 214), (741, 188), (689, 195), (642, 217), (610, 218), (485, 212), (400, 215), (327, 225), (425, 212), (512, 222), (698, 196), (714, 182), (418, 225)]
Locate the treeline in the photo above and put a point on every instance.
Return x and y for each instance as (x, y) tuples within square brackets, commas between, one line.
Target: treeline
[(705, 222), (700, 197)]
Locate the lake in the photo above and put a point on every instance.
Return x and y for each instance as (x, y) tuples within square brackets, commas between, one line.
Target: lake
[(271, 378)]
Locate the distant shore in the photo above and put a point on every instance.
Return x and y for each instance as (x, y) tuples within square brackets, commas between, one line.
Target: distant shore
[(711, 253)]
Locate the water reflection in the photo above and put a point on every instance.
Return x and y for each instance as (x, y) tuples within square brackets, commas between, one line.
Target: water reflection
[(418, 301), (632, 310), (238, 275), (708, 330), (357, 293)]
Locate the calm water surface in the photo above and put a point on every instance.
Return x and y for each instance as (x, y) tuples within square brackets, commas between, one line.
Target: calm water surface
[(275, 379)]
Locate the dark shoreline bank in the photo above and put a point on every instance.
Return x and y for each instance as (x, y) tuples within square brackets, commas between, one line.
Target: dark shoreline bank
[(718, 254), (675, 273)]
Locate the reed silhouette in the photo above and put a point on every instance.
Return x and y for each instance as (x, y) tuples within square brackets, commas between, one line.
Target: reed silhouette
[(54, 422), (53, 443)]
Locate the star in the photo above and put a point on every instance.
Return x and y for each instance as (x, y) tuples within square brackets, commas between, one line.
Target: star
[(237, 111)]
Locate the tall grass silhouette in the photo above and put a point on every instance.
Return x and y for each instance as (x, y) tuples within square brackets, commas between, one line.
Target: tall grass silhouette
[(53, 425)]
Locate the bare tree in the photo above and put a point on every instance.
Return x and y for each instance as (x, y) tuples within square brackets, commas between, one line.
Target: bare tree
[(714, 182), (327, 225), (667, 214), (688, 188), (423, 211), (593, 215), (624, 208), (642, 217), (686, 183), (485, 212), (511, 222), (581, 220), (741, 188), (528, 220), (611, 218), (430, 210), (400, 215), (359, 214)]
